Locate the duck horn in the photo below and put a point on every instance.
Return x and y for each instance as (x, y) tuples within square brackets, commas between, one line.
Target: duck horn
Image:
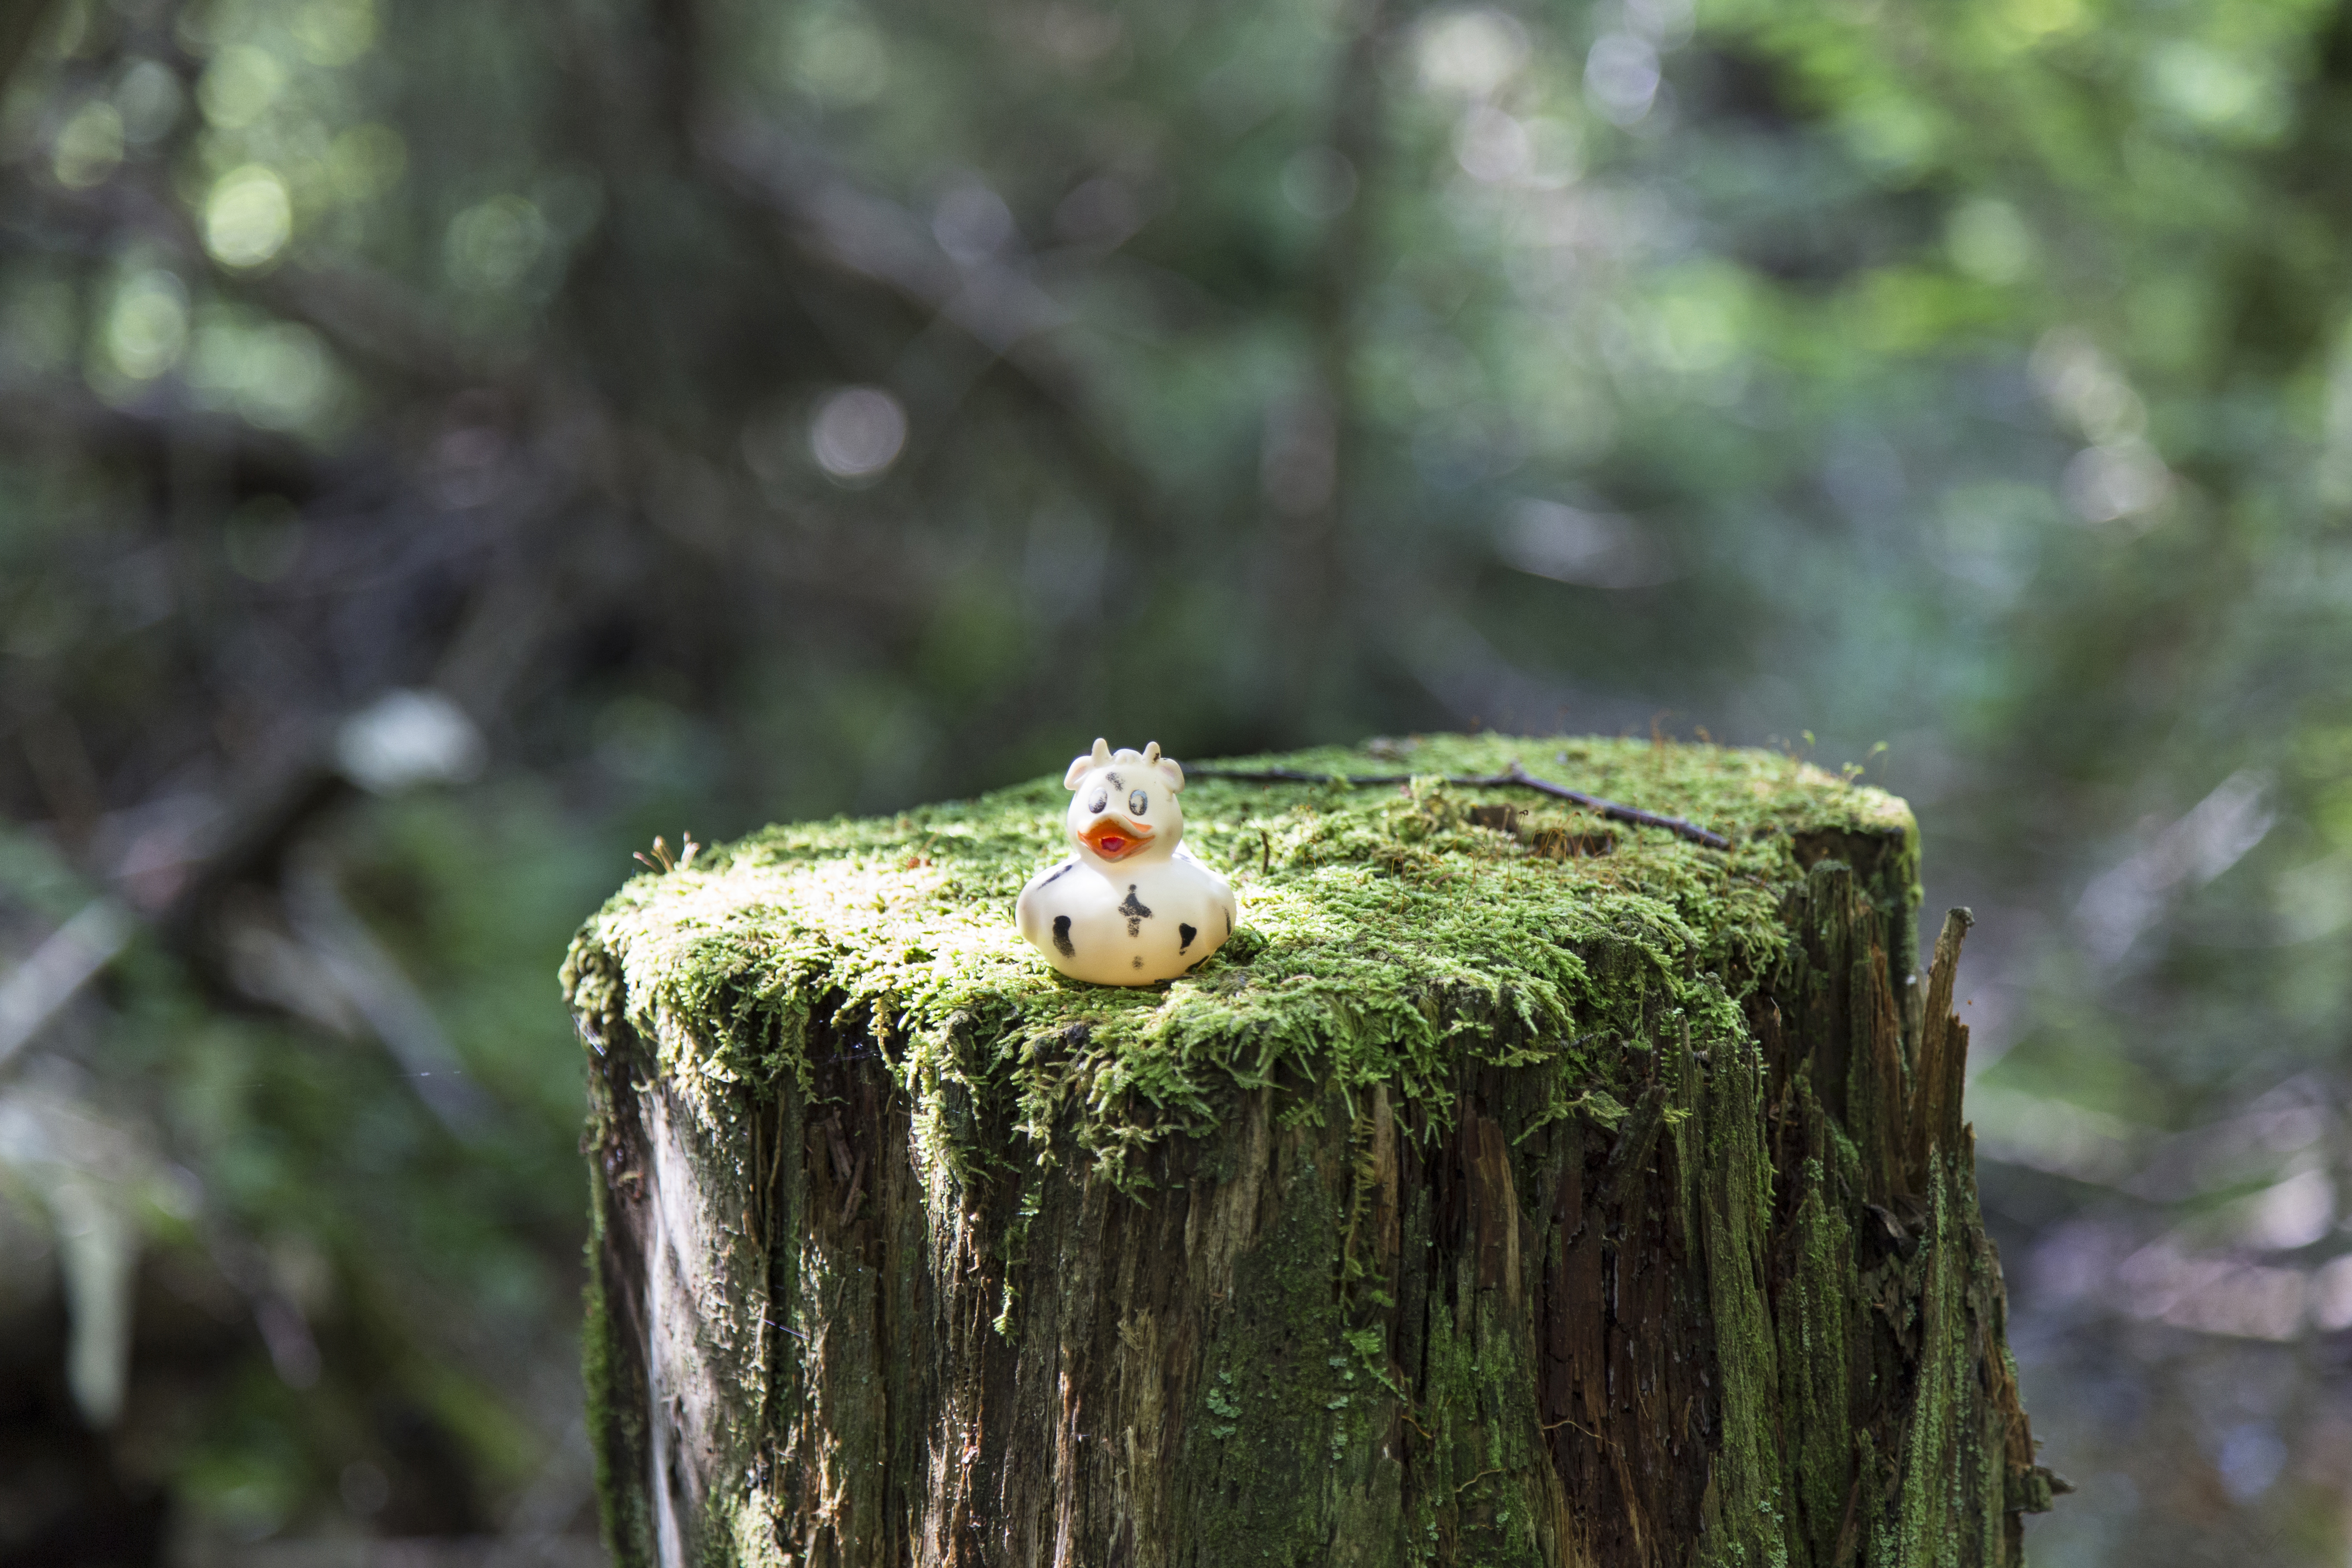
[(1081, 766)]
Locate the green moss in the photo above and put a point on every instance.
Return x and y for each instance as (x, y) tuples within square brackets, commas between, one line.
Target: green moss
[(1816, 1398), (1737, 1205), (612, 1419), (1384, 939), (1478, 1383), (1274, 1407), (1954, 1486)]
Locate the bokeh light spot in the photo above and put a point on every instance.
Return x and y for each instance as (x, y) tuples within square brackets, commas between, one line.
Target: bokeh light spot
[(972, 223), (838, 60), (1492, 147), (287, 378), (248, 218), (335, 32), (1472, 52), (1569, 544), (275, 374), (1621, 77), (90, 145), (2226, 95), (239, 86), (1988, 241), (148, 98), (493, 245), (2022, 24), (365, 161), (147, 329), (2114, 481), (857, 433)]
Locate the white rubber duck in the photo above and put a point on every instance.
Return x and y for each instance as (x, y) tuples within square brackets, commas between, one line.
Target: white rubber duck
[(1131, 906)]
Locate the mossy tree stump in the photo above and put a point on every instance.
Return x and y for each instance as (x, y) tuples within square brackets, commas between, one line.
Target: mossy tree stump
[(1535, 1191)]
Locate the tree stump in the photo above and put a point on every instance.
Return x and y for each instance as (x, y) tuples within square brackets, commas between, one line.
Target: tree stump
[(1516, 1186)]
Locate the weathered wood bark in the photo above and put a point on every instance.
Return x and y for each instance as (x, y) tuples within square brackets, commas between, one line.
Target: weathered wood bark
[(1722, 1299)]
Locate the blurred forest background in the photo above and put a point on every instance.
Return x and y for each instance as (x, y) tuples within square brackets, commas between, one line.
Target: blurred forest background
[(443, 445)]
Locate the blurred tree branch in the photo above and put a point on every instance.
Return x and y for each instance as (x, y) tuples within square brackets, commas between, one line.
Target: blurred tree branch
[(1313, 468)]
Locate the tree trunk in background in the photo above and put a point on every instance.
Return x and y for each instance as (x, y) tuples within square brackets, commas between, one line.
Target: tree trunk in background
[(1748, 1315)]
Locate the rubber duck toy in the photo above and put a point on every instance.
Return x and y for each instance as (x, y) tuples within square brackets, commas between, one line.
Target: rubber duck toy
[(1131, 906)]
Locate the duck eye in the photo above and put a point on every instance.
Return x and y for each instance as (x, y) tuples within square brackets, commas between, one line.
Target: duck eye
[(1138, 804), (1099, 800)]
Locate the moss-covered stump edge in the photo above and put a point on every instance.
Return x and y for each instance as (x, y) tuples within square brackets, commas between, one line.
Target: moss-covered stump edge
[(1383, 936)]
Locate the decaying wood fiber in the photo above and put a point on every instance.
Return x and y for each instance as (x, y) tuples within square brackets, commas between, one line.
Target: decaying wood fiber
[(1740, 1311)]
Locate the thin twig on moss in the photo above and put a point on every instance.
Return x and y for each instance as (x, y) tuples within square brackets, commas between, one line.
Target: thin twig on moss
[(1474, 1481), (1514, 775)]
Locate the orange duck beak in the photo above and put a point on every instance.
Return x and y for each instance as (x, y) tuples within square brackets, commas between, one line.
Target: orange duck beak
[(1114, 839)]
